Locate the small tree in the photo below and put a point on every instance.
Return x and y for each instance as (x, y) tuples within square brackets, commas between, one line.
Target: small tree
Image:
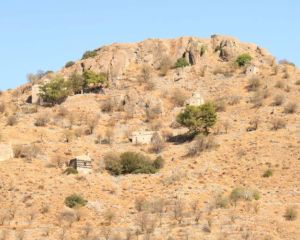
[(198, 118), (75, 200), (180, 63), (54, 92), (243, 59), (93, 78), (76, 83)]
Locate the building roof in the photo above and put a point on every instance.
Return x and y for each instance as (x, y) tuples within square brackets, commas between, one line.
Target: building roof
[(84, 158)]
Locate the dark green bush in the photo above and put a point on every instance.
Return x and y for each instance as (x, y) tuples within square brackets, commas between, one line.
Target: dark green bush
[(180, 63), (75, 200), (136, 163), (268, 173), (89, 54), (243, 59), (131, 163), (69, 64), (70, 170), (158, 163)]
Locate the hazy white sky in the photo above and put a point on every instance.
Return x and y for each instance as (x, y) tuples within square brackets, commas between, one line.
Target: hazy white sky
[(46, 34)]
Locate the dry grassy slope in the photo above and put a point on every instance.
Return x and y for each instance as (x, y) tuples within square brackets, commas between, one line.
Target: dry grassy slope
[(240, 160)]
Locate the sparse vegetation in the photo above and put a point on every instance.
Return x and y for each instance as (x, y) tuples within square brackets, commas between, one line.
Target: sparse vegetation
[(41, 120), (12, 120), (179, 97), (165, 65), (181, 62), (253, 84), (75, 200), (290, 108), (278, 100), (243, 60), (278, 123), (241, 193), (201, 143), (279, 84), (2, 107), (157, 143), (291, 213), (198, 118), (70, 170)]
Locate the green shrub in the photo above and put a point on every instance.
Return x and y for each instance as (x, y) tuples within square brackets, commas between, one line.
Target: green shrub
[(291, 214), (75, 200), (131, 162), (158, 163), (243, 59), (201, 143), (89, 54), (253, 84), (180, 63), (268, 173), (41, 120), (70, 170), (69, 64), (54, 92), (12, 120), (290, 108), (92, 78), (198, 118), (221, 201), (278, 100)]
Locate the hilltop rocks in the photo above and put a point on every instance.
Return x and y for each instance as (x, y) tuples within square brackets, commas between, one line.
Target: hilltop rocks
[(118, 60)]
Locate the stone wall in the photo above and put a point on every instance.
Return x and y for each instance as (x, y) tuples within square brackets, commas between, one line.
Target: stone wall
[(6, 152)]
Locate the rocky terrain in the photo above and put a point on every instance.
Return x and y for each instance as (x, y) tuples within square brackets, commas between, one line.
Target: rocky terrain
[(246, 186)]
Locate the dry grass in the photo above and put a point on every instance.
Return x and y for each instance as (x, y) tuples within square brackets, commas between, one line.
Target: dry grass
[(290, 108), (278, 123), (278, 100)]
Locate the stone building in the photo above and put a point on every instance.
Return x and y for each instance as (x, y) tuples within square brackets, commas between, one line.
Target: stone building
[(251, 70), (83, 164), (141, 137), (35, 91), (195, 100), (6, 152)]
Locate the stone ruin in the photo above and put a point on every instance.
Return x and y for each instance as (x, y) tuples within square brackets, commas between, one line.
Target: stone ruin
[(83, 164), (250, 70), (195, 100), (141, 137), (6, 152)]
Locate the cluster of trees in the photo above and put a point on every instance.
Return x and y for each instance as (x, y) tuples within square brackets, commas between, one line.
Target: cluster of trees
[(58, 89)]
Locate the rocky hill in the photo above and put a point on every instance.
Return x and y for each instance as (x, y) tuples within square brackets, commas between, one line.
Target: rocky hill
[(241, 181)]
